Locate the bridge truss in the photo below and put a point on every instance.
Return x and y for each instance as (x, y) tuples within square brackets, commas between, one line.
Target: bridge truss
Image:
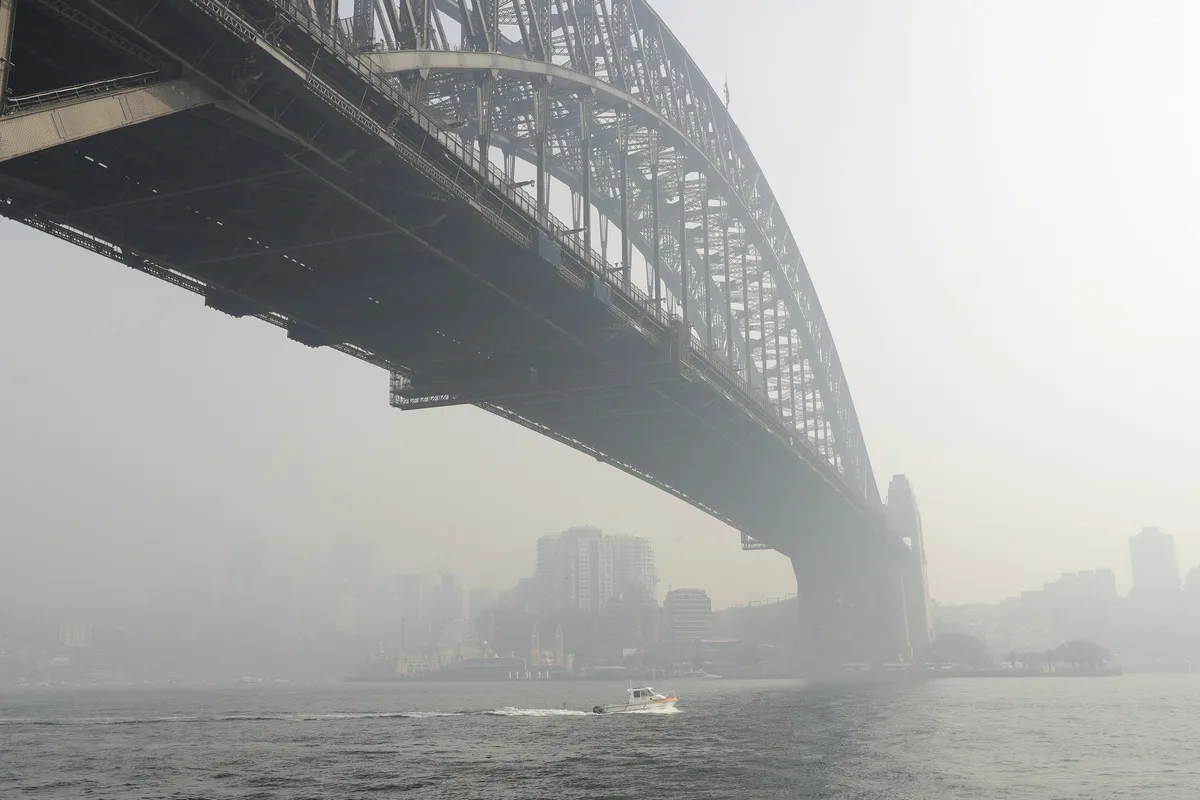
[(597, 97), (601, 104)]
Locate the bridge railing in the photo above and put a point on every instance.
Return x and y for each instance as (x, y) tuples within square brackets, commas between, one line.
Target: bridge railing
[(15, 105)]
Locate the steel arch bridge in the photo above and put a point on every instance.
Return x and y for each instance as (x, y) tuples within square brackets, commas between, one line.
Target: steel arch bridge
[(603, 97), (361, 181)]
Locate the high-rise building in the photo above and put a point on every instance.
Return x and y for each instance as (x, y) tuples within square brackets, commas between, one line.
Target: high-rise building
[(583, 569), (687, 615), (550, 577), (576, 570), (1155, 570), (635, 567)]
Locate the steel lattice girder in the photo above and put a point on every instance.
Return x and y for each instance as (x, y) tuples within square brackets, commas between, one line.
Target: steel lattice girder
[(609, 72)]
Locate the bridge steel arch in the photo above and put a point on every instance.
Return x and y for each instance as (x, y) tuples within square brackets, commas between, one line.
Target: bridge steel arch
[(604, 98)]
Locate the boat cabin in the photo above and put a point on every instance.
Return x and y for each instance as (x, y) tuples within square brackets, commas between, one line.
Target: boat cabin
[(644, 693)]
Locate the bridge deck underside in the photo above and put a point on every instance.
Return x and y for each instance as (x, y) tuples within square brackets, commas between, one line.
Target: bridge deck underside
[(352, 245)]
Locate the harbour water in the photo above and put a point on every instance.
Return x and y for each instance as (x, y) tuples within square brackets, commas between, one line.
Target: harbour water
[(1131, 737)]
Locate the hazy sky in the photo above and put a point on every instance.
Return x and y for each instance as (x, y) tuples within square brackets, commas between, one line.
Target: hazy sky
[(997, 201)]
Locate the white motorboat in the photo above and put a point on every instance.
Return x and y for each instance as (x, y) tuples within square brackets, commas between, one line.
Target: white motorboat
[(643, 698)]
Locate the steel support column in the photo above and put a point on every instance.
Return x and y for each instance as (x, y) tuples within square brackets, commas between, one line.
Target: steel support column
[(585, 146), (728, 294), (804, 398), (364, 22), (683, 266), (655, 199), (779, 365), (708, 315), (779, 357), (626, 243), (540, 113), (792, 373), (483, 100), (748, 355), (762, 330), (8, 18)]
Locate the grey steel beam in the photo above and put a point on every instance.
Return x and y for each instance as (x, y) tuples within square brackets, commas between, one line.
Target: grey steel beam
[(531, 385), (585, 150), (683, 265), (728, 294), (626, 244), (68, 120), (762, 333), (778, 362), (792, 372), (363, 22), (504, 65), (746, 356), (707, 267), (540, 123), (8, 20), (655, 199)]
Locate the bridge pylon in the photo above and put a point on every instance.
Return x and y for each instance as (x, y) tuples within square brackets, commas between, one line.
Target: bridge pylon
[(904, 523)]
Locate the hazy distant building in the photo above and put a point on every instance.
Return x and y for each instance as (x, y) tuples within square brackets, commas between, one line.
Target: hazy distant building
[(74, 634), (687, 615), (1082, 605), (583, 569), (480, 601), (414, 595), (1155, 570), (636, 572), (343, 610), (1191, 589), (242, 592), (447, 602), (576, 570), (350, 561)]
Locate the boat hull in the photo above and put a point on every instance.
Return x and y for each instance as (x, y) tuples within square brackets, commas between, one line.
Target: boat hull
[(650, 706)]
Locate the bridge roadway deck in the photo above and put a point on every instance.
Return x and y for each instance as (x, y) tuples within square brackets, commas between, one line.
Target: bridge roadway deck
[(273, 202)]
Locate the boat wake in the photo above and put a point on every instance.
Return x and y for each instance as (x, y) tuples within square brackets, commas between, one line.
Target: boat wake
[(654, 710), (509, 711), (235, 717)]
